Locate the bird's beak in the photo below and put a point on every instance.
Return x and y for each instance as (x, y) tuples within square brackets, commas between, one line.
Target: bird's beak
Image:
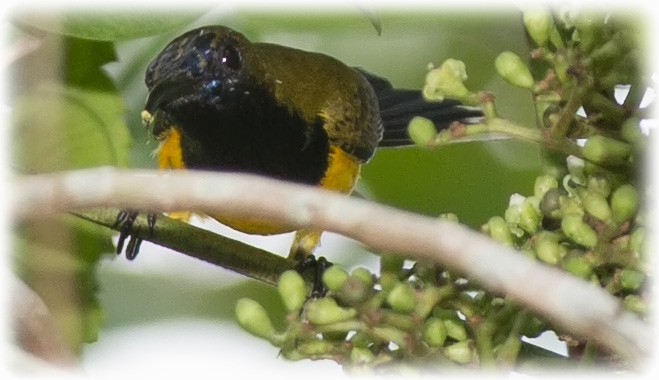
[(169, 90)]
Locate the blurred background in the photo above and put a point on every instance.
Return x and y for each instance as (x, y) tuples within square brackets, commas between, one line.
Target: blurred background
[(167, 314)]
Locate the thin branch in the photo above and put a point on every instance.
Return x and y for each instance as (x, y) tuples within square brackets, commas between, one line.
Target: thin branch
[(202, 244), (569, 303), (505, 127)]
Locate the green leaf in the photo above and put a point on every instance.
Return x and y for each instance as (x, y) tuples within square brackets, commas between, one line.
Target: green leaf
[(108, 26), (84, 60), (60, 127)]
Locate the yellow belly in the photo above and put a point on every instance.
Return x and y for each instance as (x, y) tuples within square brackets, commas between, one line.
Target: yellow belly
[(341, 175)]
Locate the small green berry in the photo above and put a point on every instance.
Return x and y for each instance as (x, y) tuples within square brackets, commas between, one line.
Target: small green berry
[(588, 32), (539, 23), (498, 229), (513, 70), (460, 352), (599, 148), (529, 216), (253, 318), (579, 265), (292, 290), (361, 355), (631, 279), (624, 203), (576, 229), (363, 274), (547, 248), (354, 291), (543, 184), (325, 311), (434, 332), (570, 206), (334, 277), (455, 328), (596, 205), (422, 131), (402, 298), (597, 182), (631, 131)]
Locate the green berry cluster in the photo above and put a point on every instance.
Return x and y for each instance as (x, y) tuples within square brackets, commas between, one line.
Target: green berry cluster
[(585, 215), (585, 224), (419, 315)]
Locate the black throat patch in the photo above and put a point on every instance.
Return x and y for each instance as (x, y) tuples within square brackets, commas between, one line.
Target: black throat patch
[(252, 133)]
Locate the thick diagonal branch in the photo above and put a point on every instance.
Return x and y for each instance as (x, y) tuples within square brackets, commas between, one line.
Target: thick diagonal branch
[(570, 303)]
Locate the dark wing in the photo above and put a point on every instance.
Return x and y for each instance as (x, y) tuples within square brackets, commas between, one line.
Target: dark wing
[(399, 106)]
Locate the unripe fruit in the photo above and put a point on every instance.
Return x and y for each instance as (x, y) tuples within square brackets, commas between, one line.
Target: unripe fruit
[(599, 148), (434, 332), (361, 355), (624, 203), (539, 23), (631, 131), (363, 274), (402, 298), (422, 131), (460, 352), (596, 205), (547, 248), (334, 277), (325, 311), (579, 265), (631, 279), (253, 318), (581, 233), (513, 70), (292, 290), (543, 184), (499, 230), (599, 183)]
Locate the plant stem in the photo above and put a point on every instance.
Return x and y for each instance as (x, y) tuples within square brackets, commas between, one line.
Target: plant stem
[(559, 130), (563, 145), (634, 96), (202, 244), (483, 333), (509, 350)]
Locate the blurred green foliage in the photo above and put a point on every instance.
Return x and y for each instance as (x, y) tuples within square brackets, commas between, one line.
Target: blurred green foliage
[(77, 98)]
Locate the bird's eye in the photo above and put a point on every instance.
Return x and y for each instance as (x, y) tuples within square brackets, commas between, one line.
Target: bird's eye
[(231, 58)]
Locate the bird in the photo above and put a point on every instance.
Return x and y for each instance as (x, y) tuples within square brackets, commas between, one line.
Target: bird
[(218, 101)]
